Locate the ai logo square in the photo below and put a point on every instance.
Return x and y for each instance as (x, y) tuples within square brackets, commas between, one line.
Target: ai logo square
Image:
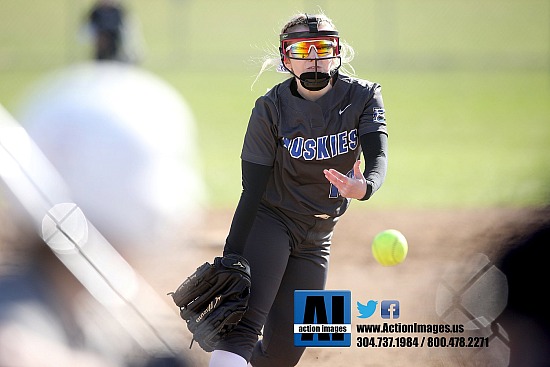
[(322, 318)]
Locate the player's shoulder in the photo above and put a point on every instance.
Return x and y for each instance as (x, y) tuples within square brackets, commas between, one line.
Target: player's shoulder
[(275, 94), (358, 83), (268, 103)]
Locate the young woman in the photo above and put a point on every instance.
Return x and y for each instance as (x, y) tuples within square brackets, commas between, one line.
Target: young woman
[(300, 170)]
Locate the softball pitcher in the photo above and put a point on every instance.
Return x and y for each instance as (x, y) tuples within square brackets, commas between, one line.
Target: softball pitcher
[(300, 170)]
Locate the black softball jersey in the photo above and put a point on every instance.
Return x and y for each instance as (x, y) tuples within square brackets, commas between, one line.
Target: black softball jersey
[(290, 141)]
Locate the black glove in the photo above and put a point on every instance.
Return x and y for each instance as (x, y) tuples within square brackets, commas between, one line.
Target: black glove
[(214, 298)]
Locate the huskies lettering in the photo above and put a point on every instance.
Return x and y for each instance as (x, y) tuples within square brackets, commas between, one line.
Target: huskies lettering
[(323, 147)]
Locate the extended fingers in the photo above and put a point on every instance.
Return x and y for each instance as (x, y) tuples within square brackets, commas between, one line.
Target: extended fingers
[(354, 188), (335, 177)]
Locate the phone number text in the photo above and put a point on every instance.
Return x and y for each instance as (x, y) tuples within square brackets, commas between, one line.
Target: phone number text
[(416, 342)]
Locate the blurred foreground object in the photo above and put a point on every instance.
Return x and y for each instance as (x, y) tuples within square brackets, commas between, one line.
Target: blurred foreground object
[(525, 264), (124, 141), (117, 136)]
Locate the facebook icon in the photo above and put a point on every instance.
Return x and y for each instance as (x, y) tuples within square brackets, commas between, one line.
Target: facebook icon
[(389, 309)]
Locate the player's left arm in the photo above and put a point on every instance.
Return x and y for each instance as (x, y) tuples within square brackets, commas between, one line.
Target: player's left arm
[(375, 153), (364, 184)]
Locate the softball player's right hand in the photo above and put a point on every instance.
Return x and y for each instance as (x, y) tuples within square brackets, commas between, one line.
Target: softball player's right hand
[(349, 187)]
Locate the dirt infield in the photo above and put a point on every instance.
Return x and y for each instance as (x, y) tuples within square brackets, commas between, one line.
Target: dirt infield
[(438, 241)]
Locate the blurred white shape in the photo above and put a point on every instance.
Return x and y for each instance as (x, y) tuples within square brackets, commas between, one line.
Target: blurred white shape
[(120, 144), (106, 275), (124, 141), (80, 247), (26, 171), (65, 227), (16, 140)]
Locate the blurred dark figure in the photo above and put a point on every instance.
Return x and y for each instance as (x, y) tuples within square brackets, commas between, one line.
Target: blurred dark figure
[(526, 319), (107, 19)]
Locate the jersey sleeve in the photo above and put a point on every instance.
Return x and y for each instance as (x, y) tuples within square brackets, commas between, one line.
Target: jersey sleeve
[(260, 141), (254, 181), (375, 148), (373, 118)]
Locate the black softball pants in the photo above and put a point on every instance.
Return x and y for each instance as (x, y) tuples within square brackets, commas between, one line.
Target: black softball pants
[(286, 252)]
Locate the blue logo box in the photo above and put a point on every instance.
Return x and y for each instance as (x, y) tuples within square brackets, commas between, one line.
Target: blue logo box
[(322, 318)]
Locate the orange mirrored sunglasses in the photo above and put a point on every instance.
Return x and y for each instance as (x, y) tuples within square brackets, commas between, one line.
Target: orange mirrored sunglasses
[(302, 48)]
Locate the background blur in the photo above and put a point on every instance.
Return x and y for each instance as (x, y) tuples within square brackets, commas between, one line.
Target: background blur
[(466, 83)]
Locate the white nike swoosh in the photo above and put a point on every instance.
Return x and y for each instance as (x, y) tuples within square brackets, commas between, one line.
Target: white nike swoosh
[(343, 109)]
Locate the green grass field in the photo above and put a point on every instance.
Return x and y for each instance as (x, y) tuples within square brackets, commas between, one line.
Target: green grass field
[(466, 84)]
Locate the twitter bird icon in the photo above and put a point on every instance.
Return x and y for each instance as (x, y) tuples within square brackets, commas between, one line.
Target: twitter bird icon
[(367, 310)]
